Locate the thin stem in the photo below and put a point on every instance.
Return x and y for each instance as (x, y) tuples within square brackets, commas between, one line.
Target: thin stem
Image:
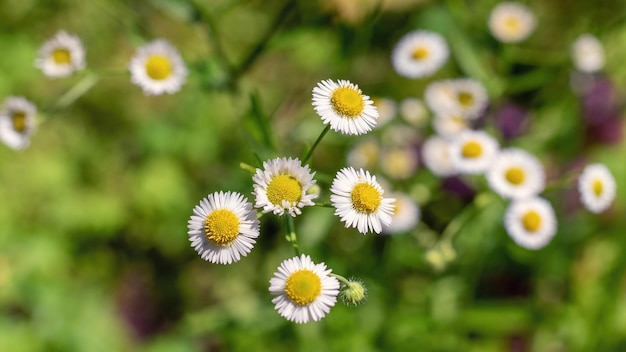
[(323, 205), (77, 91), (341, 278), (248, 167), (309, 154), (290, 233)]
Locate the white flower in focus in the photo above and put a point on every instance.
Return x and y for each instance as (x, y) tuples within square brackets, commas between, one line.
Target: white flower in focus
[(530, 222), (17, 122), (158, 68), (61, 55), (342, 105), (304, 291), (223, 227), (281, 187), (597, 188), (419, 54), (358, 200), (511, 22), (588, 54), (516, 173), (472, 152)]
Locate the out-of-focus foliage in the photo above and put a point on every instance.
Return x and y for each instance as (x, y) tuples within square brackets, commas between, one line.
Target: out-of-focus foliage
[(94, 254)]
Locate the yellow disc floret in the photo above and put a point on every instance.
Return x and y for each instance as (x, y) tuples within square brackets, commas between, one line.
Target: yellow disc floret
[(303, 287), (158, 67), (466, 99), (284, 187), (531, 221), (597, 187), (365, 198), (347, 101), (221, 226), (472, 149), (515, 175), (19, 121), (61, 56), (419, 53)]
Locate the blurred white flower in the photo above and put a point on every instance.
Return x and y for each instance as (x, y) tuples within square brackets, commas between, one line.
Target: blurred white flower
[(511, 22), (588, 54), (419, 54)]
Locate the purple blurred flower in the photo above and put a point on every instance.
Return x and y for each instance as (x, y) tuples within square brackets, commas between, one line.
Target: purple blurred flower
[(601, 112), (456, 186), (511, 120)]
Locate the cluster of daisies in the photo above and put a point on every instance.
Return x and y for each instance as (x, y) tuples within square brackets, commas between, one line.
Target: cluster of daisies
[(459, 148), (225, 225), (156, 67)]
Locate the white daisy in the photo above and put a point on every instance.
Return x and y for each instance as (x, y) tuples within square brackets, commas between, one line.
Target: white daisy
[(304, 291), (530, 222), (17, 122), (516, 173), (413, 112), (440, 96), (223, 227), (419, 54), (588, 54), (358, 200), (472, 152), (511, 22), (450, 126), (436, 156), (470, 98), (61, 55), (282, 186), (387, 110), (158, 68), (342, 105), (405, 217), (597, 188)]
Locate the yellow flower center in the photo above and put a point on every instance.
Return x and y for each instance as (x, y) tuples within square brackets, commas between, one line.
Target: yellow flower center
[(365, 198), (221, 226), (61, 56), (472, 149), (347, 102), (531, 221), (420, 53), (19, 121), (158, 67), (303, 287), (466, 99), (512, 24), (598, 187), (515, 175), (284, 187)]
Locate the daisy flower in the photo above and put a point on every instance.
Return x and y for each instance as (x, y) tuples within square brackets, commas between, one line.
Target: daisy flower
[(450, 125), (588, 54), (516, 173), (342, 105), (304, 291), (17, 122), (405, 216), (223, 227), (472, 152), (358, 200), (61, 55), (436, 156), (399, 163), (511, 22), (470, 98), (158, 68), (364, 154), (530, 222), (597, 188), (440, 96), (282, 186), (419, 54)]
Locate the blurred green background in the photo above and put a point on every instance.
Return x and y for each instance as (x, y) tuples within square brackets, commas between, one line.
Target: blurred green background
[(94, 254)]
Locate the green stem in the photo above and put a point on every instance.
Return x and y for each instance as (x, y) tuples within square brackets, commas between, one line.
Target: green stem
[(248, 167), (324, 205), (77, 91), (340, 278), (290, 233), (309, 154), (480, 202)]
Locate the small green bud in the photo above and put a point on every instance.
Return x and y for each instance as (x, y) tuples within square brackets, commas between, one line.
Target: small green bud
[(353, 292)]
